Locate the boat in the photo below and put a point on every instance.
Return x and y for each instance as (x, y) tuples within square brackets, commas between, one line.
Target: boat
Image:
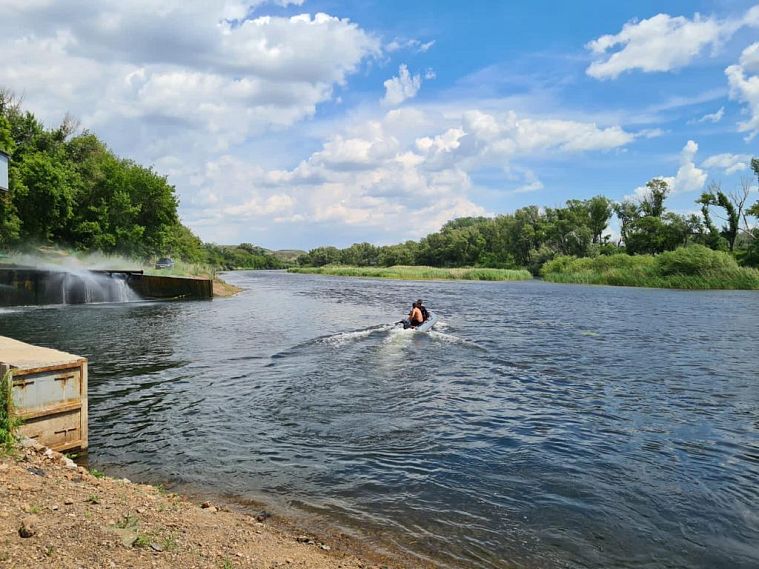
[(425, 326)]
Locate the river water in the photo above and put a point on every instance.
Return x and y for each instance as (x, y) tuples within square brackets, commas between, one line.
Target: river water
[(540, 425)]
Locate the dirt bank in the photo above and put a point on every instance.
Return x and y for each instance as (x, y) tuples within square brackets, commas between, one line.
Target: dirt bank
[(55, 514)]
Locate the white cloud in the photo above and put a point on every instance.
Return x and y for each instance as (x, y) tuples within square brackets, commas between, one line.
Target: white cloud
[(730, 163), (689, 177), (414, 45), (154, 77), (401, 87), (711, 117), (410, 164), (743, 79), (662, 43)]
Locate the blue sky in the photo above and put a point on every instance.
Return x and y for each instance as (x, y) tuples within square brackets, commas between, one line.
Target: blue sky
[(293, 124)]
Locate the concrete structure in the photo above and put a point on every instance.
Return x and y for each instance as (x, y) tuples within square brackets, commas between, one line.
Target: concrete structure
[(31, 286), (155, 286), (49, 393)]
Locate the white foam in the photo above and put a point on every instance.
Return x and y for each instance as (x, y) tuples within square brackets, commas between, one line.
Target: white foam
[(343, 338)]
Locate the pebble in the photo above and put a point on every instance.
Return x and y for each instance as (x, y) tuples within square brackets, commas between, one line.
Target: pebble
[(68, 502)]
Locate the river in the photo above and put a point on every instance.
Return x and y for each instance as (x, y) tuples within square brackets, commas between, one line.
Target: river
[(539, 425)]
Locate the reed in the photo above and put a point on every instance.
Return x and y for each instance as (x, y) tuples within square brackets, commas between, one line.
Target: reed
[(417, 273), (694, 267)]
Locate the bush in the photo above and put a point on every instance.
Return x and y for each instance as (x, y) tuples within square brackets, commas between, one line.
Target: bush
[(695, 260)]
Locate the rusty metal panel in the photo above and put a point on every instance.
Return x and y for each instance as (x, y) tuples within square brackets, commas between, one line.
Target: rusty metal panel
[(55, 431), (46, 389)]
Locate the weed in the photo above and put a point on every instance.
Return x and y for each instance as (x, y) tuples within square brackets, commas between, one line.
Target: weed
[(8, 421), (128, 521), (93, 499), (143, 540), (169, 543), (97, 473), (35, 509), (227, 564)]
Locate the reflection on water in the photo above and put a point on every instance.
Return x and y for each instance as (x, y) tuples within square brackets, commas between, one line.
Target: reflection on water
[(539, 425)]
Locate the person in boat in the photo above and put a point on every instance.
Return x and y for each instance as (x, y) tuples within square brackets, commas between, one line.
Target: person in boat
[(414, 319), (425, 312)]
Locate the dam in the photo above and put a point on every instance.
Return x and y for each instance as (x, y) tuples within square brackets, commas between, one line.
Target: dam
[(24, 286)]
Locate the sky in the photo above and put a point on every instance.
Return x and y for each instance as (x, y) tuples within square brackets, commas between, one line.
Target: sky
[(293, 124)]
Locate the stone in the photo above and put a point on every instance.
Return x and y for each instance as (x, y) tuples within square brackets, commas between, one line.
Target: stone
[(36, 471), (156, 547), (127, 536), (325, 547), (28, 526)]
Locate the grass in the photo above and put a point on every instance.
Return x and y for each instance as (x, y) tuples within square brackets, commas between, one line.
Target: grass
[(417, 273), (97, 473), (9, 423), (695, 267)]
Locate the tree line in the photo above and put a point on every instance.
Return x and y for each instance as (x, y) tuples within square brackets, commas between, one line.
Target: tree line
[(531, 236), (68, 188)]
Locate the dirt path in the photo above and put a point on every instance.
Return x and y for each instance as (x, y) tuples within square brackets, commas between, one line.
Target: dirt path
[(55, 514)]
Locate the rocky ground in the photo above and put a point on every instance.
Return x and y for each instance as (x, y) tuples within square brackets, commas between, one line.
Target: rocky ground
[(56, 514)]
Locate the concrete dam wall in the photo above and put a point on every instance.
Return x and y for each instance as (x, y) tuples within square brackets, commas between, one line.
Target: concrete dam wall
[(31, 286)]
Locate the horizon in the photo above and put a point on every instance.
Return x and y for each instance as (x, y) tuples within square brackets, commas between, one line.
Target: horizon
[(298, 124)]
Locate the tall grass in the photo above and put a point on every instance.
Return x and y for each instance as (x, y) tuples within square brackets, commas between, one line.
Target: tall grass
[(417, 273), (693, 267)]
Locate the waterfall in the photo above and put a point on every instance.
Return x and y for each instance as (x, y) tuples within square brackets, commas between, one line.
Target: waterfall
[(85, 287)]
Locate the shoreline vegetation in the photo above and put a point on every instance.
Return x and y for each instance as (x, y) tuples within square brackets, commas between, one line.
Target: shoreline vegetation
[(408, 272), (694, 268)]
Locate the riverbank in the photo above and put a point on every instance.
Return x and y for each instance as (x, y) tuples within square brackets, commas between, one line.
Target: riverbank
[(693, 268), (55, 514), (411, 273)]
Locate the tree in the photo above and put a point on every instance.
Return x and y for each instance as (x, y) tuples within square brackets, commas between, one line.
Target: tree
[(600, 209)]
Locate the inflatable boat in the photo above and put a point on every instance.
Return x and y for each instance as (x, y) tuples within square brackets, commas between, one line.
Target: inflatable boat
[(425, 326)]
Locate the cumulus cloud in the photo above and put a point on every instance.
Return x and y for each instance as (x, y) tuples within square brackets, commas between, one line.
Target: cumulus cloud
[(180, 72), (689, 177), (662, 43), (410, 164), (729, 163), (401, 87), (743, 79)]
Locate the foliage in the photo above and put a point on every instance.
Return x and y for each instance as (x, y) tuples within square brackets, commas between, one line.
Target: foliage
[(692, 267), (8, 422), (417, 273)]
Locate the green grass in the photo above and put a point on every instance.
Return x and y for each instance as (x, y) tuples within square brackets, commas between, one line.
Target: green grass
[(695, 267), (417, 273)]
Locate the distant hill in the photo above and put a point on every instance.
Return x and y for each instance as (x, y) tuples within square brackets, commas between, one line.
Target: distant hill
[(288, 255)]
